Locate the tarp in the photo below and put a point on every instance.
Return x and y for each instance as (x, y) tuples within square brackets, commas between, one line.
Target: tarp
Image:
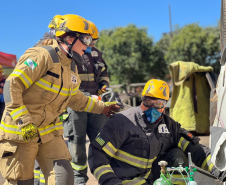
[(8, 60)]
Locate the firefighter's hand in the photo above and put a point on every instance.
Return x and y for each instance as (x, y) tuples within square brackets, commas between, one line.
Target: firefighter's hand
[(29, 132), (102, 90), (110, 108)]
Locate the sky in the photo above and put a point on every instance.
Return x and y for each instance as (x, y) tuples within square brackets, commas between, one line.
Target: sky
[(24, 22)]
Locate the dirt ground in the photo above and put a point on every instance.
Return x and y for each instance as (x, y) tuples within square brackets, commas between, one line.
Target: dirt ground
[(92, 180)]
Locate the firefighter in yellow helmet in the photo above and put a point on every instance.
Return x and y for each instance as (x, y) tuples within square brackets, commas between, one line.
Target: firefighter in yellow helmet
[(94, 81), (132, 142), (44, 82)]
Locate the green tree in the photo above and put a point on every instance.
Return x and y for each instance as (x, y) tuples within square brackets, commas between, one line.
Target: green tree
[(196, 44), (130, 55)]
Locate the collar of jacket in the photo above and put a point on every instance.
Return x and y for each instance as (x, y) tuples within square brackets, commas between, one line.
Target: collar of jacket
[(143, 122), (64, 60)]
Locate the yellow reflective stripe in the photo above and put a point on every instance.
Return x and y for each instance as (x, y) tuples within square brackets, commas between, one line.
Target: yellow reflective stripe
[(75, 90), (78, 167), (36, 171), (86, 77), (135, 181), (183, 143), (102, 170), (18, 112), (23, 77), (65, 92), (90, 105), (50, 128), (41, 175), (104, 78), (127, 158), (210, 167), (10, 128), (48, 86), (36, 177), (207, 164), (103, 68)]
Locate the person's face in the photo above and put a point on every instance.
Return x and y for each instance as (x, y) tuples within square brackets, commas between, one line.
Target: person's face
[(79, 47)]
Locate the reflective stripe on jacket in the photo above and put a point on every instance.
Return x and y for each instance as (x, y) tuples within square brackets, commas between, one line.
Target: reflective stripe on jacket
[(38, 90), (128, 146), (93, 73)]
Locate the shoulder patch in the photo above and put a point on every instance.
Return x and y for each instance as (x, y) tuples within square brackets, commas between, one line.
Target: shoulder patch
[(30, 63), (94, 54), (73, 79), (100, 140), (162, 128)]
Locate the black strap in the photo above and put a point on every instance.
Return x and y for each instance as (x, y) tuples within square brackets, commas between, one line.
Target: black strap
[(195, 96), (73, 66), (52, 52)]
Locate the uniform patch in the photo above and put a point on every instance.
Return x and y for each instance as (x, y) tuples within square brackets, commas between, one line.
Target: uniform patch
[(100, 140), (73, 79), (30, 63), (163, 128), (94, 54), (190, 135)]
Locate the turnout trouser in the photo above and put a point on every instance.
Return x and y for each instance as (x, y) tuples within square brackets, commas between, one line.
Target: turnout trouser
[(17, 162), (77, 125)]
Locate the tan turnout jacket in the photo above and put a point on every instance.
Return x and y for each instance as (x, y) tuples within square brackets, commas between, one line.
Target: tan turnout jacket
[(38, 90)]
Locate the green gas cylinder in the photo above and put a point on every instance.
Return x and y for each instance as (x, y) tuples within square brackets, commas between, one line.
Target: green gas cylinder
[(162, 181)]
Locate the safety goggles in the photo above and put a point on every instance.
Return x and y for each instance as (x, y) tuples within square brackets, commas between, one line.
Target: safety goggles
[(154, 102), (94, 41), (85, 39)]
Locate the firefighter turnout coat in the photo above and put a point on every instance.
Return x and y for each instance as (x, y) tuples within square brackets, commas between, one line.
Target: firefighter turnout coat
[(128, 146), (93, 72), (39, 89)]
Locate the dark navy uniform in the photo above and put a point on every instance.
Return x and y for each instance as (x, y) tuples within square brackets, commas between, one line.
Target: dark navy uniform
[(93, 75), (128, 148)]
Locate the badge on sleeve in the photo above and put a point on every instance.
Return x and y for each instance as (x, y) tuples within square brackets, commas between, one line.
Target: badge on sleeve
[(163, 128), (100, 140), (73, 79), (30, 63), (94, 54)]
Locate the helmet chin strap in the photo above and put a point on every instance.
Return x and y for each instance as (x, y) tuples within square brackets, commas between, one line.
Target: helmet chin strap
[(72, 54)]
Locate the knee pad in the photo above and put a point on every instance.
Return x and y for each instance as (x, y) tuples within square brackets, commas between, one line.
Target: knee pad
[(63, 172)]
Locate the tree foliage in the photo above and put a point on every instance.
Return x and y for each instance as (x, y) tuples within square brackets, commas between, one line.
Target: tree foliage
[(131, 55), (195, 44)]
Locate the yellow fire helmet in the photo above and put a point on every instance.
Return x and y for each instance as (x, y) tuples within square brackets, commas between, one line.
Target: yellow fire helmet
[(94, 30), (73, 23), (55, 21), (157, 89)]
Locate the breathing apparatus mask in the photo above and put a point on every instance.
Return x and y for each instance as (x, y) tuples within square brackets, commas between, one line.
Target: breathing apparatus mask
[(156, 107)]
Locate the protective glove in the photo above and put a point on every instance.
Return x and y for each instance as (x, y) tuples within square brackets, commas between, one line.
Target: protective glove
[(102, 90), (29, 132), (110, 108)]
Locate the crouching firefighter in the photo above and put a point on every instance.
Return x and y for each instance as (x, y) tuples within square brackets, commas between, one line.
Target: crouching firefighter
[(44, 82), (131, 143)]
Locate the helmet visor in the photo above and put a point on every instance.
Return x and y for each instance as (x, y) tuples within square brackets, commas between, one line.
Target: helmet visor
[(85, 39), (154, 102)]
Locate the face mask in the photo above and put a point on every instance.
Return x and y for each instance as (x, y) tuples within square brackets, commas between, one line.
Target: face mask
[(152, 114), (88, 50)]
